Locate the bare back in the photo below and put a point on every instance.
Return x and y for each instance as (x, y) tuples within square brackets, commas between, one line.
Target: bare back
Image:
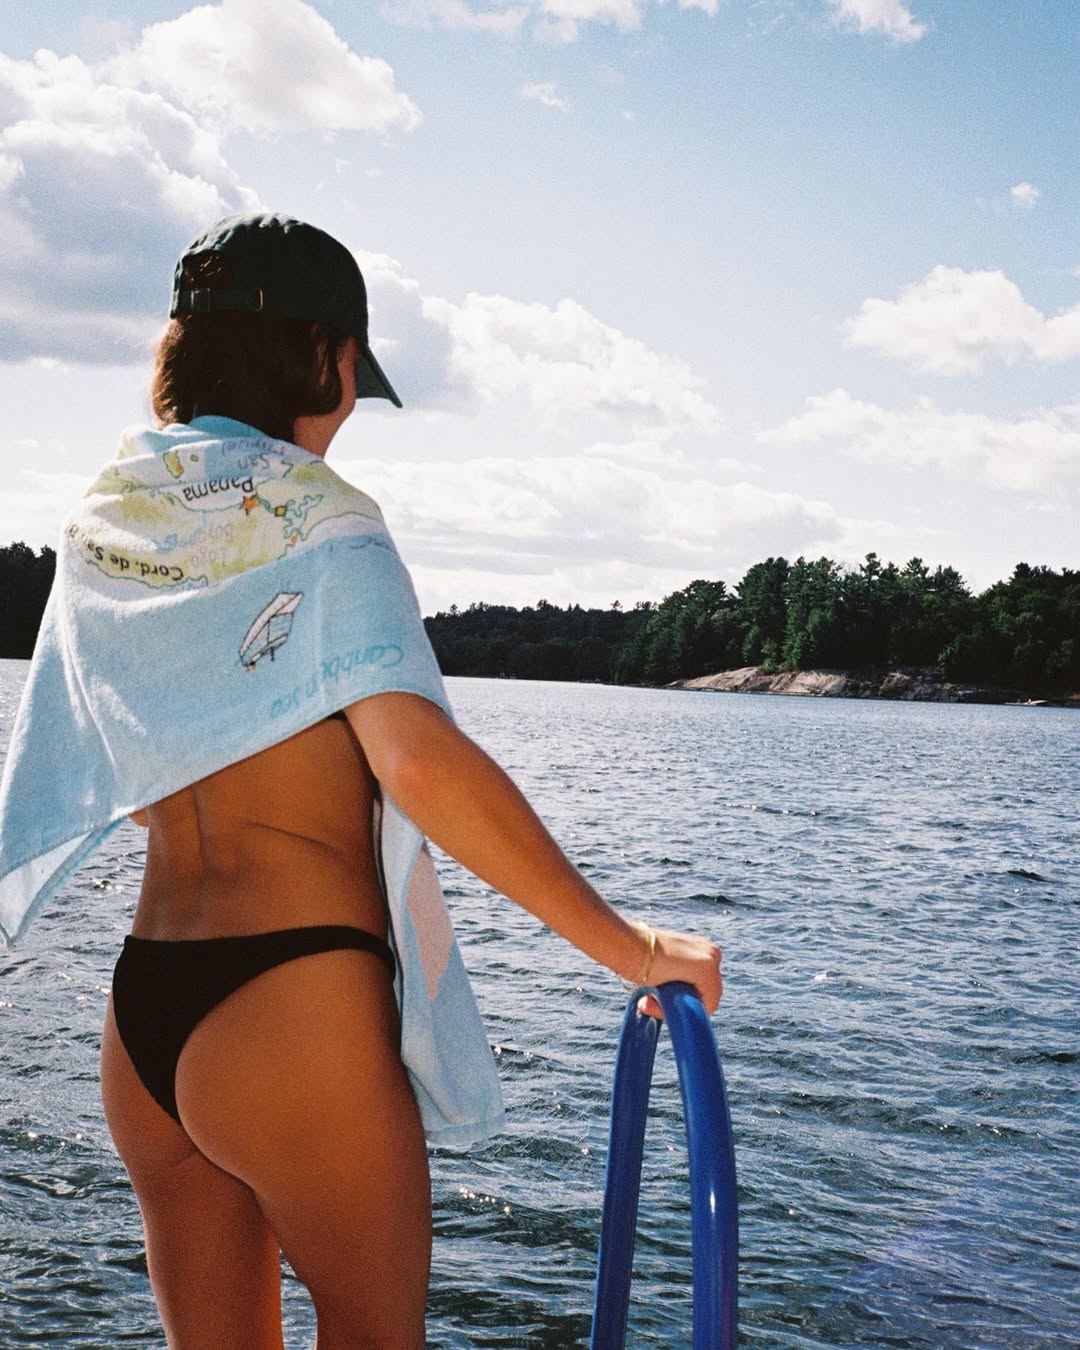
[(297, 1130), (278, 840)]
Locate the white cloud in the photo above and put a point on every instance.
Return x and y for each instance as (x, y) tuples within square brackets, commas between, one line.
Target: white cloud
[(34, 506), (102, 182), (556, 21), (97, 35), (892, 18), (560, 20), (547, 94), (648, 451), (952, 322), (274, 65), (1039, 453), (413, 345), (554, 360), (100, 187), (1025, 195), (564, 522), (560, 583), (455, 14), (562, 359)]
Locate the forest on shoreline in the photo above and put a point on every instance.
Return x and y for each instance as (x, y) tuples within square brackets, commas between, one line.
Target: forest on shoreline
[(1021, 635)]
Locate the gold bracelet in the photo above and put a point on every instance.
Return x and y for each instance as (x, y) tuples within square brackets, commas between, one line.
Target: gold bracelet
[(649, 934)]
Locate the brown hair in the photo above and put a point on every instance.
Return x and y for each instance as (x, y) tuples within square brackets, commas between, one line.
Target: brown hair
[(258, 368)]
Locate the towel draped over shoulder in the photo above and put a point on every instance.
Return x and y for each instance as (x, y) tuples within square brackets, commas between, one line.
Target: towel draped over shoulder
[(216, 592)]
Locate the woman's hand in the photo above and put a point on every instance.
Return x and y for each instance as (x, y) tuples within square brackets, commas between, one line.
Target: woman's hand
[(682, 956)]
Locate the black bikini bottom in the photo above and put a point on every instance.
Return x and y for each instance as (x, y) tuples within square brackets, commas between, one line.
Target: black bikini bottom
[(163, 990)]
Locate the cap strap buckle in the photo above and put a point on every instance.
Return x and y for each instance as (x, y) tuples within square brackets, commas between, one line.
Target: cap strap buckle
[(205, 300)]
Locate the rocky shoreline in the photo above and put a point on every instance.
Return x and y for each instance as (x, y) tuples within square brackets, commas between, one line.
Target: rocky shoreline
[(922, 684)]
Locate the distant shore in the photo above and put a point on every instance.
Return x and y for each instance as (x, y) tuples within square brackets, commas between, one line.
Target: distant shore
[(918, 684)]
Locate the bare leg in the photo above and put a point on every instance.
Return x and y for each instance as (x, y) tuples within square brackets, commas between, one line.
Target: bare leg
[(295, 1085), (213, 1257)]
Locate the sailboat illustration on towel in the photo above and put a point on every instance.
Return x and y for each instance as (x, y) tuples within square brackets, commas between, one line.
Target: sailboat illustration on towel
[(270, 629)]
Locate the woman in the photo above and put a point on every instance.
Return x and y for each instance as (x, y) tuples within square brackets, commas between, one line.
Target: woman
[(260, 1069)]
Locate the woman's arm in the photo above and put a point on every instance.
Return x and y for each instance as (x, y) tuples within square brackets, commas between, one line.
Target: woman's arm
[(460, 798)]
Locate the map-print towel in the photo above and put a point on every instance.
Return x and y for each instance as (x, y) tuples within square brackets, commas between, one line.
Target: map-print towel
[(216, 592)]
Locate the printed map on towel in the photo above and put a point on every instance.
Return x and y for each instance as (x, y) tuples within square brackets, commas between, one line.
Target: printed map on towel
[(188, 518)]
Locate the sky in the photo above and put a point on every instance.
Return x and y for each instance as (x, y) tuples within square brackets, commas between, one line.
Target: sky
[(667, 286)]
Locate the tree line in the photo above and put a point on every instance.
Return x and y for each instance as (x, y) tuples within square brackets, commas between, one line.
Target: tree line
[(1023, 633), (26, 578)]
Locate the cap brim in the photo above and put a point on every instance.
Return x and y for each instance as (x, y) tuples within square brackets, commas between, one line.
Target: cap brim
[(370, 380)]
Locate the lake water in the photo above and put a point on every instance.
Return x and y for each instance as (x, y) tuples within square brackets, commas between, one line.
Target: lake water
[(897, 890)]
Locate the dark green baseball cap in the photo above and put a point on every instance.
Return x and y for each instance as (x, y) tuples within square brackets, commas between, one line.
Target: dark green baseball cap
[(271, 264)]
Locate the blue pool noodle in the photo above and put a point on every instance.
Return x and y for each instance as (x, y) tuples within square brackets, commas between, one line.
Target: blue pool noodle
[(713, 1201)]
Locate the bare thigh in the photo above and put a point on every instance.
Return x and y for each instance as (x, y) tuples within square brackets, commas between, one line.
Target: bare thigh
[(213, 1258), (294, 1086)]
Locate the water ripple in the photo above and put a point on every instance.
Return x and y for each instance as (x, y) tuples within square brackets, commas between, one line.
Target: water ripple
[(896, 888)]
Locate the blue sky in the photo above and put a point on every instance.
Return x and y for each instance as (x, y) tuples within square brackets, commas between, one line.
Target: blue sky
[(667, 287)]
